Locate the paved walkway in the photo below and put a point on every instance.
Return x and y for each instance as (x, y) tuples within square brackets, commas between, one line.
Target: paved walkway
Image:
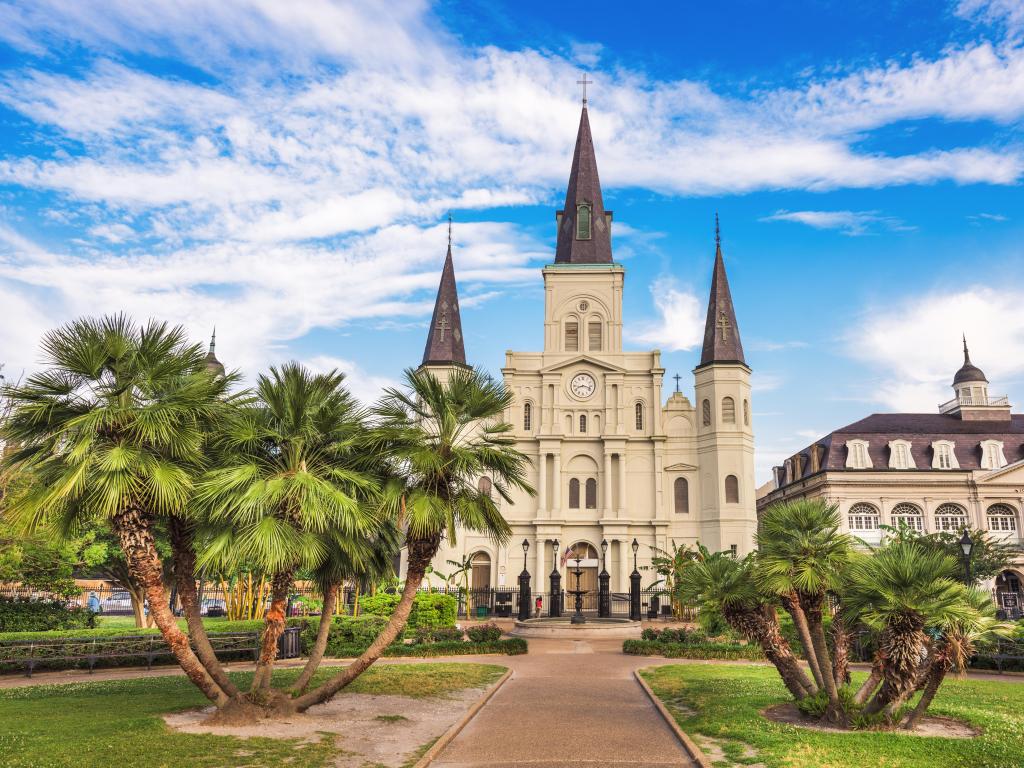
[(568, 703)]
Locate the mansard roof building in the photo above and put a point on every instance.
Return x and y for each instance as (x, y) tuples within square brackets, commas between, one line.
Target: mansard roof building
[(960, 467)]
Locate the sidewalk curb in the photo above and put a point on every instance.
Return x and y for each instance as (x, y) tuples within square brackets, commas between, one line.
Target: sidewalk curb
[(448, 736), (688, 744)]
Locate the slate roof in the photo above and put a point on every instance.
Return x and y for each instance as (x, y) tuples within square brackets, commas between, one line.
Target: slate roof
[(444, 337), (584, 187), (721, 333)]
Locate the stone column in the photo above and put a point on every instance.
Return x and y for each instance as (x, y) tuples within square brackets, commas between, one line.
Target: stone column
[(556, 490), (538, 575), (607, 484), (624, 564), (542, 485), (622, 484)]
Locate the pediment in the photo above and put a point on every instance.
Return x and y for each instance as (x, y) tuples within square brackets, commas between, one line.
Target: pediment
[(1011, 473), (582, 359), (680, 467)]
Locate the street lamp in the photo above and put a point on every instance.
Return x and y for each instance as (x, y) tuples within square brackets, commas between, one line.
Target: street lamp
[(966, 545), (526, 549), (604, 596), (634, 587), (636, 546), (604, 551), (555, 605), (524, 586)]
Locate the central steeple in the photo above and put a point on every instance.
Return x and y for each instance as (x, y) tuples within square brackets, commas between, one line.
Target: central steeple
[(584, 226)]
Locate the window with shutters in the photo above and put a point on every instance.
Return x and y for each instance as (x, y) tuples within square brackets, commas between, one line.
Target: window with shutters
[(705, 409), (574, 494), (594, 335), (732, 490), (728, 410), (681, 491), (572, 336), (591, 493), (900, 456)]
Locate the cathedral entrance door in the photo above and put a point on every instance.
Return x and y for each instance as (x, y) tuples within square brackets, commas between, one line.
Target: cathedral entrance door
[(589, 566)]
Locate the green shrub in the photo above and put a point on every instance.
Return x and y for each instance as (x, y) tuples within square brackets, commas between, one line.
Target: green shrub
[(484, 633), (705, 650), (18, 615), (437, 635), (513, 646), (428, 609)]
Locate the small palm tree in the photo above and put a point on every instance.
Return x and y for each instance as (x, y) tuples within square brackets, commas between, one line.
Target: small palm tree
[(721, 584), (441, 438), (113, 429), (292, 466), (801, 558)]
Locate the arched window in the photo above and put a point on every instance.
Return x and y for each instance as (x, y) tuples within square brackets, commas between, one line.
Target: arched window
[(746, 413), (681, 491), (527, 417), (732, 490), (639, 416), (1002, 519), (591, 493), (705, 413), (574, 494), (728, 410), (583, 222), (484, 485), (594, 335), (583, 424), (950, 517), (863, 517), (908, 515), (572, 336)]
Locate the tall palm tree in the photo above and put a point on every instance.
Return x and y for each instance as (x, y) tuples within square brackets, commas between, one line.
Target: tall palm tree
[(801, 558), (441, 438), (113, 429), (720, 583), (292, 466), (900, 591)]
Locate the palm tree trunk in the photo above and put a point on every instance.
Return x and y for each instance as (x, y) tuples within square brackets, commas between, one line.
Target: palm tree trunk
[(421, 552), (841, 637), (901, 654), (762, 626), (323, 634), (936, 675), (134, 531), (869, 685), (184, 574), (281, 584), (812, 607), (792, 606)]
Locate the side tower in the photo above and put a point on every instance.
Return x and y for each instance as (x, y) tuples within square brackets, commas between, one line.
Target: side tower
[(445, 351), (725, 439)]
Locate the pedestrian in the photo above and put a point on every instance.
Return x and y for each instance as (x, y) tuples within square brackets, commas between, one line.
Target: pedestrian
[(536, 607), (94, 603)]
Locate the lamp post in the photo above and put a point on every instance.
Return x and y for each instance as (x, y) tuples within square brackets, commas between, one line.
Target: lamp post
[(634, 586), (966, 545), (555, 606), (524, 586), (604, 598)]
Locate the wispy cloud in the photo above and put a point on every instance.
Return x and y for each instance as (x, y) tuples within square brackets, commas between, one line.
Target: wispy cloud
[(977, 218), (851, 223), (680, 325)]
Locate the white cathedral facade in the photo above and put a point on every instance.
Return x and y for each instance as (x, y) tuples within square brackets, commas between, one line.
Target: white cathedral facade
[(612, 460)]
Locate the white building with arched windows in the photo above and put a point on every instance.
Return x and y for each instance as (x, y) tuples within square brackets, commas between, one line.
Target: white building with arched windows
[(962, 467), (611, 459)]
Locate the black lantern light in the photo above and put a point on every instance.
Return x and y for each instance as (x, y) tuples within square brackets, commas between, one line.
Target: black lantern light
[(636, 546), (526, 549), (604, 551), (966, 545)]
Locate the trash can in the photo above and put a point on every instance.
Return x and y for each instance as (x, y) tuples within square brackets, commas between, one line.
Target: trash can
[(481, 611)]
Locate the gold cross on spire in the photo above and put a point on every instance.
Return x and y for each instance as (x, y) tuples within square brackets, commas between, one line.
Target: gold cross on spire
[(443, 325), (584, 82), (723, 323)]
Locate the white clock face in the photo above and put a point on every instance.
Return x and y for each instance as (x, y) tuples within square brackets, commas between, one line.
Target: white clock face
[(582, 385)]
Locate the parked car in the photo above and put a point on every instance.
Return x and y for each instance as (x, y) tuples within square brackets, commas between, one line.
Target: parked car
[(213, 607), (116, 602)]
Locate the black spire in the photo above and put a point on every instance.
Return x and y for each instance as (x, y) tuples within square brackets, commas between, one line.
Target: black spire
[(213, 365), (721, 333), (584, 235), (968, 371), (444, 337)]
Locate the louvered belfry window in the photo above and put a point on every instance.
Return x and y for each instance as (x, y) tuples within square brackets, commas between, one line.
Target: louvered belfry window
[(572, 336), (594, 334)]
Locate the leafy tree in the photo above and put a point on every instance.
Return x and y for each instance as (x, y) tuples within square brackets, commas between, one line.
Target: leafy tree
[(440, 437), (990, 556)]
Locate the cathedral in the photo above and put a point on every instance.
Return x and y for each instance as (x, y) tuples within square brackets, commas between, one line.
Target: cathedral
[(612, 461)]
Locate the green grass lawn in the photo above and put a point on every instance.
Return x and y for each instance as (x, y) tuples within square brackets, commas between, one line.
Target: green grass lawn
[(726, 701), (118, 723)]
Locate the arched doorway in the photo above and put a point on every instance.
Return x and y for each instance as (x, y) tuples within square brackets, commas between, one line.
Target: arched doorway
[(1008, 594), (589, 565), (479, 581)]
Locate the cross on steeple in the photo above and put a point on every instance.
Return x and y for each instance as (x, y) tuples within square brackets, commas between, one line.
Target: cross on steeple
[(677, 377), (723, 324), (584, 82), (443, 325), (718, 234), (449, 230)]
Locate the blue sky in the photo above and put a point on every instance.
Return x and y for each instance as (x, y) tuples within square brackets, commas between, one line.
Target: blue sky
[(284, 171)]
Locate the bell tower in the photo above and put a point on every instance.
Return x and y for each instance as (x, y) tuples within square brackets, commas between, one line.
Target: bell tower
[(445, 350)]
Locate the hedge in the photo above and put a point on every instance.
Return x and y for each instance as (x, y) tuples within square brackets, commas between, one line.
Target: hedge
[(700, 651), (19, 615), (106, 632), (513, 646), (428, 609)]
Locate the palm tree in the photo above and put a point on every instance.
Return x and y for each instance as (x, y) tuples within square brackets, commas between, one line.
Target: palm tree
[(801, 558), (113, 430), (441, 438), (292, 466), (900, 591), (719, 583)]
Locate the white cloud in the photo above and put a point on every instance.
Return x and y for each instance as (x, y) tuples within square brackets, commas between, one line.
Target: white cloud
[(913, 348), (848, 222), (1009, 13), (680, 325), (366, 387)]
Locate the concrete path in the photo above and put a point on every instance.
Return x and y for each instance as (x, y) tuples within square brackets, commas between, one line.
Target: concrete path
[(568, 703)]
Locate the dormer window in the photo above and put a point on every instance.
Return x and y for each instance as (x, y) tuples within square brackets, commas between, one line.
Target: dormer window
[(944, 455), (857, 456), (992, 454), (900, 456), (583, 220)]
